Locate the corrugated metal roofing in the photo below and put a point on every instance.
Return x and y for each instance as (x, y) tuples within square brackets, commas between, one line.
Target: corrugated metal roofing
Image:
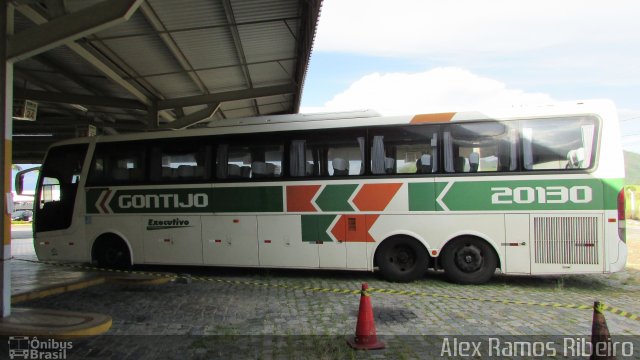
[(174, 84), (223, 79), (259, 11), (136, 25), (147, 54), (167, 50), (207, 48), (191, 14), (267, 42)]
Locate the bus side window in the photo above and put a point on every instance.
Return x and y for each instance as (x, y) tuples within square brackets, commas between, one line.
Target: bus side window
[(480, 147), (558, 144), (345, 157), (180, 161), (118, 164), (404, 149), (254, 161), (328, 153), (301, 161)]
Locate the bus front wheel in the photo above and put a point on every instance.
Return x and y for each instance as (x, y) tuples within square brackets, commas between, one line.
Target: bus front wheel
[(469, 260), (112, 252), (401, 259)]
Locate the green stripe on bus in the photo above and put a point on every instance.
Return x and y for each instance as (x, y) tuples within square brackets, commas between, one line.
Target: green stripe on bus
[(612, 188), (336, 197), (248, 199), (422, 197), (520, 195), (314, 227), (137, 201), (191, 200)]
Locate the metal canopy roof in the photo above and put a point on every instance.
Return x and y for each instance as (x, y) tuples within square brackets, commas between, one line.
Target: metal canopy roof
[(135, 65)]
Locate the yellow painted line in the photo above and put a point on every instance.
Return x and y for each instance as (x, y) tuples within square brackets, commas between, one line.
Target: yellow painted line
[(368, 292), (91, 331), (149, 280), (617, 311), (39, 294), (54, 323)]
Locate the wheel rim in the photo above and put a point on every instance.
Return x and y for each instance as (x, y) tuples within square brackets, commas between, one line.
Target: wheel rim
[(402, 258), (469, 258)]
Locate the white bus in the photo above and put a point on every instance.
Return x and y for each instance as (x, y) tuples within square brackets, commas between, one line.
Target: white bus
[(528, 190)]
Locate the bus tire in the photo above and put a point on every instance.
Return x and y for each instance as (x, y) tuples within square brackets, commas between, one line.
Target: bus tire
[(401, 259), (112, 252), (469, 260)]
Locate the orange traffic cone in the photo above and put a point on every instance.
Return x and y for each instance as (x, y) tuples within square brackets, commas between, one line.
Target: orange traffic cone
[(366, 338), (601, 344)]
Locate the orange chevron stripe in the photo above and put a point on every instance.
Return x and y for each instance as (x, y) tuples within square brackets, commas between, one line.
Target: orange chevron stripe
[(432, 118), (339, 230), (375, 197), (354, 228), (299, 198)]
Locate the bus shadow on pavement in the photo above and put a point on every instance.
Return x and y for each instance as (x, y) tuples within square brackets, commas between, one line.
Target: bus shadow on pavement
[(257, 273), (628, 280)]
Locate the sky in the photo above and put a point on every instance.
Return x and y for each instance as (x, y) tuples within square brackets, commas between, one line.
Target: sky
[(420, 56)]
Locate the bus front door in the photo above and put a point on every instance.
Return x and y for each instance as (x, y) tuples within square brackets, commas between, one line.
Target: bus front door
[(58, 220)]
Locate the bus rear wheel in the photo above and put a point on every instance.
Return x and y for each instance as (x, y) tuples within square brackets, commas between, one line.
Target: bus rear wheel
[(401, 259), (112, 252), (469, 260)]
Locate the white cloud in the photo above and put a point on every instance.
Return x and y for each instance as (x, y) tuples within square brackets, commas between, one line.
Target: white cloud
[(560, 48), (436, 90), (467, 27)]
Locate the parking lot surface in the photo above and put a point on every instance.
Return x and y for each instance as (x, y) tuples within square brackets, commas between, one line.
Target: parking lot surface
[(252, 313)]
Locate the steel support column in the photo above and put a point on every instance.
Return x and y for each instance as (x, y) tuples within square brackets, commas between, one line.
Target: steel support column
[(6, 104)]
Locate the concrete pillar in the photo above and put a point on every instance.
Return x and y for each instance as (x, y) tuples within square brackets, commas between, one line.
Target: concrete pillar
[(6, 106)]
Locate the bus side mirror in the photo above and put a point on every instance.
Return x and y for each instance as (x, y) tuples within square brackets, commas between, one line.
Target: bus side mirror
[(20, 180)]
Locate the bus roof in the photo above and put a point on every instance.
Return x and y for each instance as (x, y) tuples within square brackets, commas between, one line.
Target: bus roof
[(361, 118)]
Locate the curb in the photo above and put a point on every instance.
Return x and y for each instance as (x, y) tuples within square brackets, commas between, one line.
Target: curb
[(60, 289), (54, 323)]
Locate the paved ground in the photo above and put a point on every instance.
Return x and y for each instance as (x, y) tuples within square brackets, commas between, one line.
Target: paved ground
[(231, 313)]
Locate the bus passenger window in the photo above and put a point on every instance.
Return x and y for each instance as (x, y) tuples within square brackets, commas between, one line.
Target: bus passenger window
[(249, 161), (118, 164), (301, 161), (180, 161), (340, 167), (404, 150), (345, 158), (480, 147), (558, 144), (328, 153)]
